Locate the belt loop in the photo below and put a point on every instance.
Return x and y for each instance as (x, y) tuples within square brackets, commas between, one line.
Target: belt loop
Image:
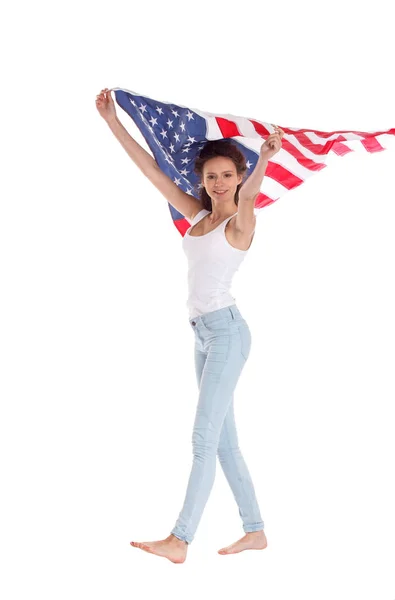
[(232, 312)]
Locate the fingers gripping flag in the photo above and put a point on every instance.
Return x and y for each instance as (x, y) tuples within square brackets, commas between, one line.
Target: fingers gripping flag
[(176, 134)]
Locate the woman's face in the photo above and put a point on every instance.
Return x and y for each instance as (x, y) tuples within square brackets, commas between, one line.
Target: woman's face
[(219, 174)]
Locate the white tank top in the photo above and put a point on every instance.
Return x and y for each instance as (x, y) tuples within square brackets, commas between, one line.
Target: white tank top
[(212, 263)]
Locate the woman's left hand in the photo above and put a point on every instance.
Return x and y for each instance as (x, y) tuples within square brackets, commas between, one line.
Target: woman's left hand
[(273, 143)]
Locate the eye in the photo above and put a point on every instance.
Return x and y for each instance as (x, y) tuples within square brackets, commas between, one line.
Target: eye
[(227, 175)]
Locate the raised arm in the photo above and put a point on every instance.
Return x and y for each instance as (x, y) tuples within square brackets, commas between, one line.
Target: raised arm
[(187, 205)]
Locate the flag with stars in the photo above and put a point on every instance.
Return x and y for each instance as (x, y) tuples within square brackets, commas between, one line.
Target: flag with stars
[(175, 134)]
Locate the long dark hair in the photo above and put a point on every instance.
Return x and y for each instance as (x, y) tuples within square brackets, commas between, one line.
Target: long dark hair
[(219, 148)]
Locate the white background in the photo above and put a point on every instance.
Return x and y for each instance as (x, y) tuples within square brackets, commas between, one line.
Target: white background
[(98, 390)]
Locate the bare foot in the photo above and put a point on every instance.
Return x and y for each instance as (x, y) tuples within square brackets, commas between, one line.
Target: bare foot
[(171, 548), (255, 540)]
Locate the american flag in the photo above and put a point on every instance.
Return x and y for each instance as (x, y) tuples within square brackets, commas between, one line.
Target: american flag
[(175, 134)]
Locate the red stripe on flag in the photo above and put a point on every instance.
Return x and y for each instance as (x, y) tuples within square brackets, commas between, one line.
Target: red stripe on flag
[(327, 134), (308, 163), (340, 149), (263, 200), (228, 128), (182, 225), (261, 129), (278, 172), (322, 149), (372, 145), (282, 175), (369, 141), (364, 134)]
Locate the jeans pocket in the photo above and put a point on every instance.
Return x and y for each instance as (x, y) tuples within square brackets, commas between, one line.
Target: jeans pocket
[(245, 338), (218, 324)]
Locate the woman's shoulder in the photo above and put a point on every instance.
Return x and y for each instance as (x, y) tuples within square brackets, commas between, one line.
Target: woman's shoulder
[(202, 213)]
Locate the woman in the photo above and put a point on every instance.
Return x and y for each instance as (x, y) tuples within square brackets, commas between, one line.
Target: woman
[(221, 233)]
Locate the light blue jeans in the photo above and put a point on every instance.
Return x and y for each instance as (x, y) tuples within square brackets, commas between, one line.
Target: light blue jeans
[(222, 346)]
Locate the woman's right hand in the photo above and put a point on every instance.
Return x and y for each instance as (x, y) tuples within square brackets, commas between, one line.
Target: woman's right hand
[(105, 105)]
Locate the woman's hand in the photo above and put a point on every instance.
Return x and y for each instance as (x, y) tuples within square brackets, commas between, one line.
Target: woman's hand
[(105, 105), (273, 143)]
